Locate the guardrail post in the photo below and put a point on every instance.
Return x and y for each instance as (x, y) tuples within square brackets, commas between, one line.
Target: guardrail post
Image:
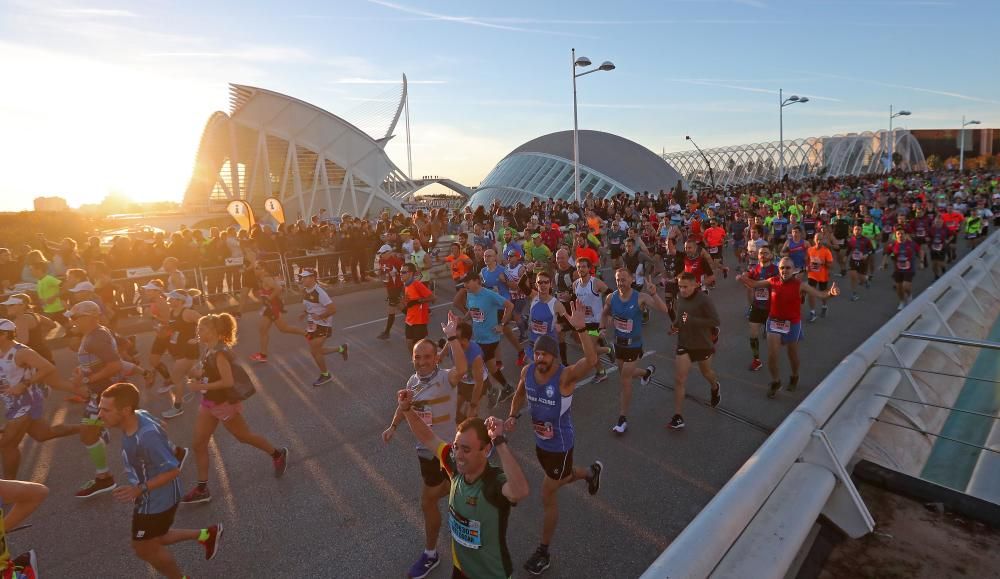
[(907, 386), (846, 508)]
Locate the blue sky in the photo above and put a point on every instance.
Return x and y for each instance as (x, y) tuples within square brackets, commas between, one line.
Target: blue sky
[(113, 96)]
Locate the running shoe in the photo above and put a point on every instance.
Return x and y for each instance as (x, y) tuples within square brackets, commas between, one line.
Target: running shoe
[(649, 375), (325, 378), (725, 272), (281, 463), (756, 365), (621, 427), (676, 423), (196, 496), (423, 567), (600, 376), (181, 454), (812, 316), (343, 351), (772, 390), (611, 353), (213, 542), (594, 482), (382, 336), (537, 563), (521, 358), (900, 307), (793, 383), (855, 297), (95, 487), (258, 357), (23, 566), (716, 395), (822, 312), (172, 412)]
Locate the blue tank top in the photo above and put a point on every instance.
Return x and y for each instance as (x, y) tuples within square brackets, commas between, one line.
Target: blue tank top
[(797, 253), (542, 319), (491, 280), (762, 295), (550, 412), (627, 319)]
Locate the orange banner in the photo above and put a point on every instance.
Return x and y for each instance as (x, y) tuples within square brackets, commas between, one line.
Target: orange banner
[(275, 208), (241, 212)]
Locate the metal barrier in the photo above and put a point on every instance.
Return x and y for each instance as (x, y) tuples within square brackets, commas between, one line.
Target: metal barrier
[(128, 282), (758, 522)]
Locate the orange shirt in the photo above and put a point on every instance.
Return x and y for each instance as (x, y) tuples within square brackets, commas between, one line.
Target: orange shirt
[(595, 225), (818, 263), (714, 236), (419, 314), (459, 266)]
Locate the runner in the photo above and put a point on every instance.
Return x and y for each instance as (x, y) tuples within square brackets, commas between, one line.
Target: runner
[(820, 263), (459, 263), (182, 346), (24, 374), (514, 271), (563, 277), (431, 393), (588, 291), (416, 306), (154, 486), (547, 388), (494, 277), (224, 386), (159, 311), (32, 329), (269, 291), (20, 500), (760, 301), (489, 312), (390, 264), (797, 250), (841, 225), (715, 239), (623, 309), (667, 270), (480, 494), (318, 314), (697, 321), (784, 323), (544, 312), (940, 238), (859, 253), (697, 262), (99, 367), (476, 380), (905, 253)]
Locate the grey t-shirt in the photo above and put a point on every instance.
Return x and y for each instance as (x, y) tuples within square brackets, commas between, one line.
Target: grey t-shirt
[(97, 350), (696, 333)]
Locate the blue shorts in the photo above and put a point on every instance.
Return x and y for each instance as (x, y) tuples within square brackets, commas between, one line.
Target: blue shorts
[(30, 403), (789, 335)]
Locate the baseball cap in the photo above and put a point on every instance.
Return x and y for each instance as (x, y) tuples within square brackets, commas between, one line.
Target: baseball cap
[(154, 284), (307, 272), (84, 308), (384, 249), (547, 344), (83, 286), (13, 301)]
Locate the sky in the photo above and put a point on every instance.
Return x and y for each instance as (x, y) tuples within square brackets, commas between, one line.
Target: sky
[(101, 96)]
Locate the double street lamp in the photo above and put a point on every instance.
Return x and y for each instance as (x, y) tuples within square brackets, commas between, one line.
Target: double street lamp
[(892, 136), (961, 147), (582, 62), (781, 127)]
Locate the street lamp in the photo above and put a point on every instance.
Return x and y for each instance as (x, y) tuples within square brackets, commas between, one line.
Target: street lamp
[(892, 138), (582, 62), (711, 175), (781, 127), (961, 148)]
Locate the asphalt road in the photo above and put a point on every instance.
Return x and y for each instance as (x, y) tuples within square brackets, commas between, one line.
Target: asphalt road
[(348, 505)]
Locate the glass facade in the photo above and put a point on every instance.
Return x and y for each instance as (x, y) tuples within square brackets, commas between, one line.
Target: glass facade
[(521, 177)]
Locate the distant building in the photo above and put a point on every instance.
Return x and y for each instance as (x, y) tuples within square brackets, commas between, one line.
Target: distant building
[(50, 204)]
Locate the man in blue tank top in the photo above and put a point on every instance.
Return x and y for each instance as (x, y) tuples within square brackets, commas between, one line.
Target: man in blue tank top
[(623, 311), (548, 387), (544, 312)]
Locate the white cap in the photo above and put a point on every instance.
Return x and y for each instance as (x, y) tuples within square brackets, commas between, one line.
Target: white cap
[(152, 285), (7, 325), (13, 301), (384, 249), (83, 286)]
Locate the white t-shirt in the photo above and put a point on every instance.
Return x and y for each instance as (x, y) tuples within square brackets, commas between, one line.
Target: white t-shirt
[(316, 301)]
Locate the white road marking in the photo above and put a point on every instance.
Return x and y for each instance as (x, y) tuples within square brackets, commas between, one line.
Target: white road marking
[(386, 318)]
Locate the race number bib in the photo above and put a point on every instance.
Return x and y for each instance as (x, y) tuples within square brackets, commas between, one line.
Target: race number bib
[(761, 294), (465, 532), (857, 255), (937, 246), (174, 337), (902, 264), (779, 326), (539, 327), (477, 315), (622, 325), (310, 326), (426, 416), (713, 250), (921, 232), (815, 265), (588, 311), (543, 430)]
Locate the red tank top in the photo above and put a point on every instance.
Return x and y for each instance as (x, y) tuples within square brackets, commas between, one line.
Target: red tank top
[(785, 301), (693, 266)]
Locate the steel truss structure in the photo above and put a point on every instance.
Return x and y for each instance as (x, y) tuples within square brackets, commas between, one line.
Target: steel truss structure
[(837, 156)]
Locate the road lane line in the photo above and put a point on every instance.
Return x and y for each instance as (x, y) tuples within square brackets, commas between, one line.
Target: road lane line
[(386, 318)]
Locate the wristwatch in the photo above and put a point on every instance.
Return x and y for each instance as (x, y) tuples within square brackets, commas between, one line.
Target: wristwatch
[(499, 440), (143, 488)]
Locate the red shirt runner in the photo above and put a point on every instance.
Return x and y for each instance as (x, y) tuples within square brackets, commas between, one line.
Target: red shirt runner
[(785, 301)]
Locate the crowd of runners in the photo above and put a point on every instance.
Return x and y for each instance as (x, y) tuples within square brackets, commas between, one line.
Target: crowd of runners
[(537, 279)]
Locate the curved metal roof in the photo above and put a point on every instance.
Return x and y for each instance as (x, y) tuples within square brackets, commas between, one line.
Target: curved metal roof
[(617, 157)]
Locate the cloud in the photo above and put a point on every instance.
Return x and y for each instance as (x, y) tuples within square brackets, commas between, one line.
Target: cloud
[(359, 80), (912, 88), (747, 88), (101, 12), (467, 20)]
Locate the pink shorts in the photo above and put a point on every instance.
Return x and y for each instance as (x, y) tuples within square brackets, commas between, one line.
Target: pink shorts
[(221, 410)]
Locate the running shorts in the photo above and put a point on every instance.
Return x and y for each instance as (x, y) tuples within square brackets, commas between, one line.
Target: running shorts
[(431, 471), (416, 331), (28, 403), (151, 526), (698, 355), (319, 332), (556, 465)]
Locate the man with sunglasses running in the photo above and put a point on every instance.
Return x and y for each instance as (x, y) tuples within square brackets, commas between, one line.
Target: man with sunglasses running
[(319, 323)]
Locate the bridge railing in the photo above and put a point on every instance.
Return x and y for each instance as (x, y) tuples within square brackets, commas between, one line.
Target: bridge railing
[(758, 522)]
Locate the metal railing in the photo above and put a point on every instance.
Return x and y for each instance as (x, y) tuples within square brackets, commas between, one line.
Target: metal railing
[(758, 522)]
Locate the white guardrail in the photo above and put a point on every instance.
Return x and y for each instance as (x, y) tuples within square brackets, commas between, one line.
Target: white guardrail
[(758, 522)]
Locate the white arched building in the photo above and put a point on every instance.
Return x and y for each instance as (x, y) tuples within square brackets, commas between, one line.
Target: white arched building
[(314, 161)]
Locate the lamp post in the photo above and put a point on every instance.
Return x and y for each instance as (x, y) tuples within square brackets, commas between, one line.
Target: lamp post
[(961, 147), (783, 102), (582, 62), (711, 174), (892, 137)]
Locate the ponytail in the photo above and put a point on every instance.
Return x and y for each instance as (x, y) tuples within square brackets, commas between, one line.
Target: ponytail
[(224, 325)]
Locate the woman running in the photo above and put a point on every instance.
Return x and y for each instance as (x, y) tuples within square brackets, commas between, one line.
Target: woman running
[(221, 403), (269, 291), (182, 345)]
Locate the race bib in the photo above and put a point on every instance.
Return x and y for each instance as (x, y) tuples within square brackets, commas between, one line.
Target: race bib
[(713, 250), (543, 430), (761, 294), (815, 265), (902, 264), (477, 315), (426, 416), (937, 246), (174, 337), (779, 326), (539, 327), (465, 532), (857, 255), (921, 232), (310, 326), (622, 325)]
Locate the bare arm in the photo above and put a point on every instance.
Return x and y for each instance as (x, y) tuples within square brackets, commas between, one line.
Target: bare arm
[(583, 366), (25, 498), (225, 374)]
